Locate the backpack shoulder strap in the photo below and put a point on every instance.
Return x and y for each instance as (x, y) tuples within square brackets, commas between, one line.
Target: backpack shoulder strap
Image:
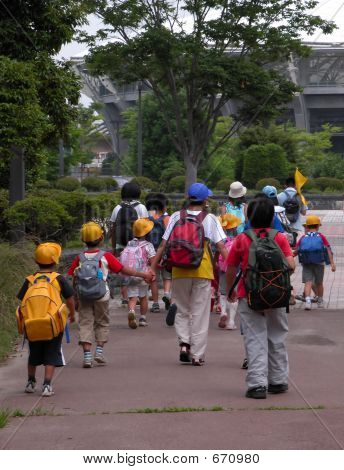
[(99, 255), (31, 278), (201, 216), (251, 234), (82, 257), (183, 214), (136, 203), (287, 194), (272, 233)]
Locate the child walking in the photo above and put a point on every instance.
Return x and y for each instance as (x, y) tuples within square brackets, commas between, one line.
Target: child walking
[(37, 314), (138, 254), (90, 270), (229, 223), (314, 251)]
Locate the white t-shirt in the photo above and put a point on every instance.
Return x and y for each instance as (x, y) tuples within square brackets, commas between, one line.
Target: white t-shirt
[(212, 227), (141, 210)]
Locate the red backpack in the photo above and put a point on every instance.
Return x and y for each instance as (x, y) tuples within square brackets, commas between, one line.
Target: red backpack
[(185, 247)]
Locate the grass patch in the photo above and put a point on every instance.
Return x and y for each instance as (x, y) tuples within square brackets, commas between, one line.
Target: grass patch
[(175, 409), (5, 415), (16, 263), (292, 408), (40, 411), (17, 413)]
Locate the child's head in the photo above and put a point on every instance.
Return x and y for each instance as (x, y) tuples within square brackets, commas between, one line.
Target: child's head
[(260, 212), (230, 223), (142, 227), (236, 194), (198, 194), (47, 255), (312, 223), (130, 191), (91, 234)]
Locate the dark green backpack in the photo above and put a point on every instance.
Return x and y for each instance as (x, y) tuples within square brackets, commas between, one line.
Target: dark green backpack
[(267, 277)]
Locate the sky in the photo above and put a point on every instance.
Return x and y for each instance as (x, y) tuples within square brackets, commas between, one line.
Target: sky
[(327, 9)]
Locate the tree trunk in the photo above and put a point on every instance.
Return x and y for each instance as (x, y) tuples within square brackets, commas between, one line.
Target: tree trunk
[(191, 173), (17, 188)]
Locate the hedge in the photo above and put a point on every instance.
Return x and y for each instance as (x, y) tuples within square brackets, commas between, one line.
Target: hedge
[(67, 183)]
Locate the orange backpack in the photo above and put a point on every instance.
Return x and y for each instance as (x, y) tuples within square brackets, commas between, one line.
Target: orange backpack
[(41, 315)]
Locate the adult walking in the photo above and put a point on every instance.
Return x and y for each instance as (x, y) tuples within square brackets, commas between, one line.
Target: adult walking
[(192, 229)]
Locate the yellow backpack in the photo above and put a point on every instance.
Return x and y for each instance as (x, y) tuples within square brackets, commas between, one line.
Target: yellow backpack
[(42, 315)]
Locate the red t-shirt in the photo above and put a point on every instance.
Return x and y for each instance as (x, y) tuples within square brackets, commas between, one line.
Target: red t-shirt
[(109, 263), (238, 255)]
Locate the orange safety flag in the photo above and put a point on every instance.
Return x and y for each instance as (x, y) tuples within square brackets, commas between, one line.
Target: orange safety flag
[(300, 181)]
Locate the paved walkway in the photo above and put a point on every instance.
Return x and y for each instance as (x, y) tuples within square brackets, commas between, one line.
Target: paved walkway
[(145, 399)]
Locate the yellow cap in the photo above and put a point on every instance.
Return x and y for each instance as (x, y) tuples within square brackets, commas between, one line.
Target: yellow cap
[(229, 221), (91, 232), (48, 253), (312, 220), (142, 226)]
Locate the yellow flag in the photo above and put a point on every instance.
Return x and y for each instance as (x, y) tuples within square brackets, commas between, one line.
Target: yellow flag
[(300, 180)]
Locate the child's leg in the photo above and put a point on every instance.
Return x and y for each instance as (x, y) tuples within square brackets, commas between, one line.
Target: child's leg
[(233, 306), (223, 317), (132, 303), (320, 290), (31, 372), (143, 306), (48, 374), (155, 291), (308, 288)]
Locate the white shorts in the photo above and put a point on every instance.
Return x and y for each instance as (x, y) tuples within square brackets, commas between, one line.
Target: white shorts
[(137, 288)]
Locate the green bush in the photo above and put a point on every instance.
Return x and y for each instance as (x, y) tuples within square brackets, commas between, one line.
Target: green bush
[(223, 185), (176, 169), (110, 183), (42, 184), (92, 183), (4, 203), (146, 184), (263, 161), (67, 183), (324, 182), (310, 185), (16, 263), (43, 218), (268, 182), (176, 184)]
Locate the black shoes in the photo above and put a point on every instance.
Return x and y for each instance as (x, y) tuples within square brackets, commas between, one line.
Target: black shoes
[(171, 315), (245, 364), (277, 388), (258, 392), (184, 355)]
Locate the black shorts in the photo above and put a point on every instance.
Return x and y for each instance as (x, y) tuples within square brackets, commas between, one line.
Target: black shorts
[(48, 353)]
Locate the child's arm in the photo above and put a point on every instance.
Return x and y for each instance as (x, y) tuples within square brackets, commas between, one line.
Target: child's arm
[(330, 255), (148, 276), (71, 307)]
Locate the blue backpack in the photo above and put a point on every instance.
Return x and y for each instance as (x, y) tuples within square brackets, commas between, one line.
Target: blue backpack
[(312, 250), (155, 236)]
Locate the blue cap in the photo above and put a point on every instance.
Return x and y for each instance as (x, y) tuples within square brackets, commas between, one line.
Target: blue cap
[(270, 191), (199, 192)]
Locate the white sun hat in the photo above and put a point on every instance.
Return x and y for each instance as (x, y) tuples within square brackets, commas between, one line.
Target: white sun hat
[(236, 190)]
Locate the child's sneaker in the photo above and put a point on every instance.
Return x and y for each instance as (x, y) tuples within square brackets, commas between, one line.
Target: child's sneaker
[(124, 302), (223, 321), (308, 305), (30, 386), (47, 390), (320, 303), (231, 326), (99, 357), (171, 315), (143, 322), (155, 307), (132, 320), (167, 301)]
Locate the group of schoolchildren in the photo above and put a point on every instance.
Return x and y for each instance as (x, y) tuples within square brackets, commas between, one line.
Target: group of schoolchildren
[(247, 253)]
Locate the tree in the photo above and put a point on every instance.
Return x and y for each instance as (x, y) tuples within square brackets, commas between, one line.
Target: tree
[(38, 93), (158, 151), (199, 54)]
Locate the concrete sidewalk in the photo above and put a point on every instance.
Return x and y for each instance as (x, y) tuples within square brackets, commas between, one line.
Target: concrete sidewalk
[(145, 399), (137, 400)]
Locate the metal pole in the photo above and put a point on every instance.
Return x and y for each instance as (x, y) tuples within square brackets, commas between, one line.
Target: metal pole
[(139, 130)]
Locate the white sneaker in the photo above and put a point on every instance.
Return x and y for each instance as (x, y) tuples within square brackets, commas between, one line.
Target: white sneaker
[(47, 391), (30, 387), (308, 305), (100, 358), (231, 326), (321, 304)]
